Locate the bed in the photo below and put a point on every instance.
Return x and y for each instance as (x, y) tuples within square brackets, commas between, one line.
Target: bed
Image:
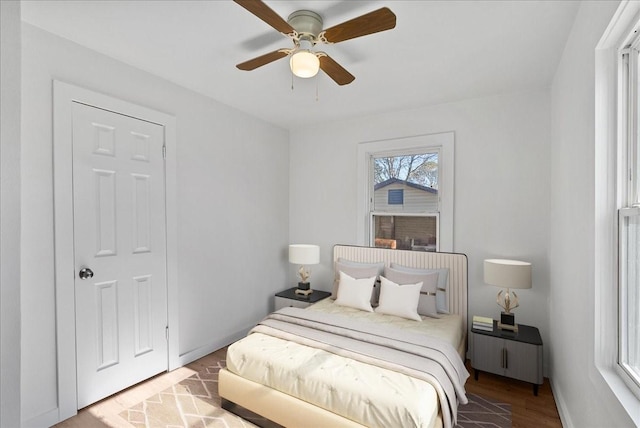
[(340, 365)]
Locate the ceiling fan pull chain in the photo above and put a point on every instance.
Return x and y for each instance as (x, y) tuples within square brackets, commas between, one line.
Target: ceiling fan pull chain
[(292, 81)]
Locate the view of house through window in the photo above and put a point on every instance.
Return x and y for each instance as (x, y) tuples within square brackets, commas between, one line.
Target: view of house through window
[(405, 201)]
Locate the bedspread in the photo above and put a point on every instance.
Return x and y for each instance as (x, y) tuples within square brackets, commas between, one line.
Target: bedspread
[(425, 358)]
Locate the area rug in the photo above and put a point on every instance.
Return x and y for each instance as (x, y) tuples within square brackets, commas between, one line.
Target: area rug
[(194, 403), (482, 412)]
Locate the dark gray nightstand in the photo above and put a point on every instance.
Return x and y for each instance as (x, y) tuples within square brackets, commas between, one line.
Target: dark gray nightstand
[(503, 352), (290, 298)]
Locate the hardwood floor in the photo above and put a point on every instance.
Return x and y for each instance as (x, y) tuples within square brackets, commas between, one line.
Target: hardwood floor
[(527, 410)]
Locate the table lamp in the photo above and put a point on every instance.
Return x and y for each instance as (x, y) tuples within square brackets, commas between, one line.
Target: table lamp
[(304, 254), (507, 274)]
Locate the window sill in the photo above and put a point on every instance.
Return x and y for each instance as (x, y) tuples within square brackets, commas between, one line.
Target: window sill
[(623, 394)]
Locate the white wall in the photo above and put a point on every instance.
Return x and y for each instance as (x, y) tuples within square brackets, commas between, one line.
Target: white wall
[(232, 208), (10, 214), (583, 398), (501, 206)]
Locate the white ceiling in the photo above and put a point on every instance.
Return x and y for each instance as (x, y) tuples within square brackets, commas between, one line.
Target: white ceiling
[(440, 51)]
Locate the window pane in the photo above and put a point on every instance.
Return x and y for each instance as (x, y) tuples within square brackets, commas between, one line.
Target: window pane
[(630, 292), (395, 197), (412, 179), (399, 232)]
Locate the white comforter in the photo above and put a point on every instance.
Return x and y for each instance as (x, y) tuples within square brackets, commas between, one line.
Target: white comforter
[(370, 395)]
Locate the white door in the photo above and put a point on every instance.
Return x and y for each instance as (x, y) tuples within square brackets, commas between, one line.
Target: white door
[(120, 251)]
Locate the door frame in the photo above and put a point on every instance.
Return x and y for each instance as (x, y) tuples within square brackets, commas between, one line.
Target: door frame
[(64, 95)]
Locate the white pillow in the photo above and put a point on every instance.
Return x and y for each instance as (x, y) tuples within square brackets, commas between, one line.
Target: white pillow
[(357, 271), (355, 293), (399, 300), (427, 300)]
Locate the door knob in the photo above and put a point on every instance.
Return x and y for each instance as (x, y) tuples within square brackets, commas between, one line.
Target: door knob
[(85, 273)]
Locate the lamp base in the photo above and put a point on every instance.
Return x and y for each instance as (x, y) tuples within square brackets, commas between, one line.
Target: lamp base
[(507, 318), (304, 286), (507, 322), (513, 328)]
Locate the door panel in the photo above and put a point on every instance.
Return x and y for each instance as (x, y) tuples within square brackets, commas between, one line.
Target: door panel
[(119, 233)]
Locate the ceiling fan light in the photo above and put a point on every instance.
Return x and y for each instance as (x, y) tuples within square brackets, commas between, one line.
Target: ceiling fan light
[(304, 63)]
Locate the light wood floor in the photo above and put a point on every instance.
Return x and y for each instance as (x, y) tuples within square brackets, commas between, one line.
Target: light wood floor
[(106, 413), (527, 410)]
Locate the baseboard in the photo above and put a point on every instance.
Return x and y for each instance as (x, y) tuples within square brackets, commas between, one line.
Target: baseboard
[(191, 356), (46, 419), (565, 418)]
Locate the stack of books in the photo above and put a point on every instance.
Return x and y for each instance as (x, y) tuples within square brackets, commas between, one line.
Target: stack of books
[(482, 323)]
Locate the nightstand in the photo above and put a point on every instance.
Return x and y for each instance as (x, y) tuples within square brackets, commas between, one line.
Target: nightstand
[(290, 298), (503, 352)]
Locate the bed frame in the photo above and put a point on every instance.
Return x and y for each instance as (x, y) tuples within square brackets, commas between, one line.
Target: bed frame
[(267, 407)]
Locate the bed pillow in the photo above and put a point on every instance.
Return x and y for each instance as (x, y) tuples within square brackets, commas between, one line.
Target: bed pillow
[(427, 302), (351, 263), (358, 270), (442, 292), (399, 300), (355, 293)]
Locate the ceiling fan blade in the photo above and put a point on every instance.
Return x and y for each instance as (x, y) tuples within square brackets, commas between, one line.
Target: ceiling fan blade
[(264, 12), (373, 22), (335, 71), (254, 63)]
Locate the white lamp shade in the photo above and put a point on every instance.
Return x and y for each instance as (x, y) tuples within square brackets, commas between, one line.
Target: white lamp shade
[(304, 64), (507, 273), (304, 254)]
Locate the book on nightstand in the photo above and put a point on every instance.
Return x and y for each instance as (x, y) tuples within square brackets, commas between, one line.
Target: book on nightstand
[(482, 323)]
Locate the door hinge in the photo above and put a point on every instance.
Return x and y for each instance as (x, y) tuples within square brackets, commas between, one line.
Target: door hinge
[(166, 332), (164, 152)]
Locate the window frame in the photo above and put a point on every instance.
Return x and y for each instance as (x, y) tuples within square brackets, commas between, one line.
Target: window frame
[(628, 202), (608, 107), (631, 379), (443, 143)]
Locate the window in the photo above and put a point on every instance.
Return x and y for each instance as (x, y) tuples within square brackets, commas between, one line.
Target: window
[(395, 197), (629, 217), (401, 223), (613, 335), (406, 193)]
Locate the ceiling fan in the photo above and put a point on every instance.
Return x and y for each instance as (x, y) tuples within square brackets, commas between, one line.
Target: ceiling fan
[(304, 28)]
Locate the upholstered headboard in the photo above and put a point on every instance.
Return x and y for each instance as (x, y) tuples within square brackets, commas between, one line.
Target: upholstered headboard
[(455, 262)]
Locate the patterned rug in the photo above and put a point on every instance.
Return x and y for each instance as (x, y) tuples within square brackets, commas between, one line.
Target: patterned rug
[(483, 412), (194, 403)]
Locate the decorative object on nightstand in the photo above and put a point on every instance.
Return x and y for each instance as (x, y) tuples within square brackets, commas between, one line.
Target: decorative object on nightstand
[(482, 323), (304, 254), (507, 274)]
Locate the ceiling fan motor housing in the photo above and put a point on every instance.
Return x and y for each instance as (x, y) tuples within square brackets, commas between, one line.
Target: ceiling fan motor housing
[(307, 24)]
